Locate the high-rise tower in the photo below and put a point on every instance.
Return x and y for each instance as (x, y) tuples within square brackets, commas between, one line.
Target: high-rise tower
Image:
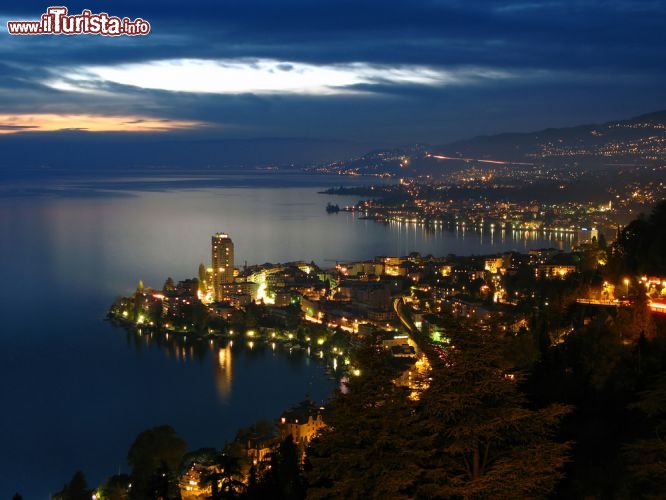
[(223, 262)]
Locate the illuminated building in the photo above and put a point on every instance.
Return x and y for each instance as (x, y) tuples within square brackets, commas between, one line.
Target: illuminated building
[(494, 265), (554, 271), (303, 422), (223, 262)]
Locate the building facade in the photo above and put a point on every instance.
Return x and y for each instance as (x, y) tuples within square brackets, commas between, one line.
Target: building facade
[(223, 263)]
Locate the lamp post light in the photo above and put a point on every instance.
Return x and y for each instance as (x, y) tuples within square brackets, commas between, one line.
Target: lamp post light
[(626, 287)]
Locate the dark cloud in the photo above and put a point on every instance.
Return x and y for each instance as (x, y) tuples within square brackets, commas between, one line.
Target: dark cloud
[(569, 62), (4, 126), (389, 31)]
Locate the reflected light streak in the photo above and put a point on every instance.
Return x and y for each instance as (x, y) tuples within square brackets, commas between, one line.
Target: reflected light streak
[(493, 162), (224, 372)]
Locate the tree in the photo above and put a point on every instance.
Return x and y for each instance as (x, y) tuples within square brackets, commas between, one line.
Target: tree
[(368, 450), (635, 320), (646, 457), (641, 246), (197, 315), (485, 442), (520, 350), (470, 435), (76, 489), (282, 479), (202, 278), (252, 315), (169, 285), (294, 316), (163, 484), (285, 465), (155, 454), (224, 475), (116, 487)]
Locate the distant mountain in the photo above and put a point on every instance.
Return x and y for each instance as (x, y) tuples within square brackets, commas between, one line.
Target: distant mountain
[(87, 152), (640, 140), (658, 117), (377, 162)]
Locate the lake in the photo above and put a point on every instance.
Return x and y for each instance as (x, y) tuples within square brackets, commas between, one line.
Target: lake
[(76, 391)]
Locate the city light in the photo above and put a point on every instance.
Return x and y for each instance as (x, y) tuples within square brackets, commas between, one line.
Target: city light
[(399, 299)]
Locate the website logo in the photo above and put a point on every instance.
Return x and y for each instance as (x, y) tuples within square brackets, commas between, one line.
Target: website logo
[(57, 21)]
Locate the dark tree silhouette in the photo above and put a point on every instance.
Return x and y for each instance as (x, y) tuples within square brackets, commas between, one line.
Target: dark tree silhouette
[(641, 245), (646, 457), (484, 441), (76, 489), (282, 479), (368, 450), (224, 476), (154, 455), (116, 487)]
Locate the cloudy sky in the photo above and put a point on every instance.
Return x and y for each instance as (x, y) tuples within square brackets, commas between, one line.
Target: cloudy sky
[(355, 74)]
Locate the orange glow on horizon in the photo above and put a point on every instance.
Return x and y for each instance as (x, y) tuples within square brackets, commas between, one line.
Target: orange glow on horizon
[(52, 122)]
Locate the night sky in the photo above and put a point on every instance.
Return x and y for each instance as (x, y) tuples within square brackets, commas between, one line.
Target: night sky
[(332, 77)]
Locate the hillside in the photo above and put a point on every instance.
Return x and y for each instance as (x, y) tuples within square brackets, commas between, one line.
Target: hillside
[(642, 138), (639, 141)]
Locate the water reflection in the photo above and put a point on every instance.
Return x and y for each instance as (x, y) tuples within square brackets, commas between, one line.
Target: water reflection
[(223, 352), (465, 238), (223, 371), (181, 348)]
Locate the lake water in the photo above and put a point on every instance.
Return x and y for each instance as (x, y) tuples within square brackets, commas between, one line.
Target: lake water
[(77, 391)]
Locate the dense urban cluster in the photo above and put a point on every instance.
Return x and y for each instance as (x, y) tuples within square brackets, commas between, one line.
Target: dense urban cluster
[(424, 205), (475, 201), (466, 377), (556, 180)]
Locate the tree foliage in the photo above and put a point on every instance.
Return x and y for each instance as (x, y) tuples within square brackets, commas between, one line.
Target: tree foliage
[(645, 457), (641, 245), (471, 435), (76, 489), (485, 441), (282, 479), (367, 451), (224, 476), (116, 487), (154, 456)]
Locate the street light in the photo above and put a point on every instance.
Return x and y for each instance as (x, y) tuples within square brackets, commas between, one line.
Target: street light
[(626, 286)]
